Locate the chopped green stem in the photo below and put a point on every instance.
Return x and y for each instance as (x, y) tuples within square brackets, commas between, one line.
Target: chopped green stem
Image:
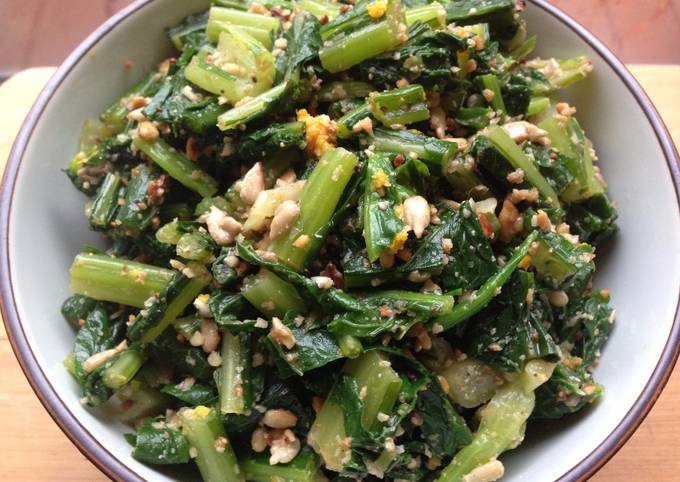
[(516, 157), (524, 49), (252, 109), (117, 280), (320, 8), (347, 121), (104, 204), (303, 468), (490, 82), (262, 35), (327, 429), (187, 325), (433, 14), (177, 305), (572, 70), (586, 184), (381, 381), (271, 295), (489, 290), (473, 11), (124, 368), (235, 391), (434, 152), (538, 105), (115, 117), (318, 199), (211, 78), (501, 428), (351, 46), (142, 400), (569, 71), (590, 185), (235, 4), (350, 346), (440, 304), (373, 371), (177, 166), (252, 66), (399, 107), (558, 137), (91, 157), (251, 22), (215, 456), (70, 364)]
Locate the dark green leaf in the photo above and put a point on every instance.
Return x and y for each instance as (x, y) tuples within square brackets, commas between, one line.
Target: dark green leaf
[(195, 395), (76, 308), (511, 331), (157, 443), (186, 359), (265, 142), (443, 429), (594, 220), (314, 348)]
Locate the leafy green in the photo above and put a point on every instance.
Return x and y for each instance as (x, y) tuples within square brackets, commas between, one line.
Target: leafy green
[(382, 194), (76, 308), (552, 165), (196, 112), (186, 359), (190, 33), (470, 262), (511, 330), (136, 211), (563, 265), (314, 348), (230, 309), (98, 333), (222, 273), (153, 314), (196, 394), (474, 117), (303, 44), (499, 14), (516, 94), (428, 56), (155, 442), (443, 429), (594, 220), (265, 142), (585, 324)]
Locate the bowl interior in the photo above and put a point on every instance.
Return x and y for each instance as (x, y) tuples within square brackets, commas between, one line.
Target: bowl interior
[(47, 228)]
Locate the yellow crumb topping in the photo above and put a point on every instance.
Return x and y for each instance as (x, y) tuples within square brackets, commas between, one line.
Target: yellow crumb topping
[(398, 241), (320, 132), (525, 263), (380, 180), (302, 241), (377, 9), (201, 412)]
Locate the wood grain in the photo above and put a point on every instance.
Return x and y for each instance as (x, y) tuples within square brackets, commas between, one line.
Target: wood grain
[(34, 449)]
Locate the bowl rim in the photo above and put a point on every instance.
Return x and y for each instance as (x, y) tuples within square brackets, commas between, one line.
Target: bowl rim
[(113, 467)]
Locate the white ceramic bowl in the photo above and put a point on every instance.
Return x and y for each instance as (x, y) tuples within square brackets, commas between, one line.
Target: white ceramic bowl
[(42, 227)]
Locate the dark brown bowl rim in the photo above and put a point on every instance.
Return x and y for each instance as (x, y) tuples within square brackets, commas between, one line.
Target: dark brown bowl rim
[(117, 470)]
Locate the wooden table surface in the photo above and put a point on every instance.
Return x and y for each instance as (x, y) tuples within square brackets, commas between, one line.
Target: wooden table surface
[(33, 448)]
